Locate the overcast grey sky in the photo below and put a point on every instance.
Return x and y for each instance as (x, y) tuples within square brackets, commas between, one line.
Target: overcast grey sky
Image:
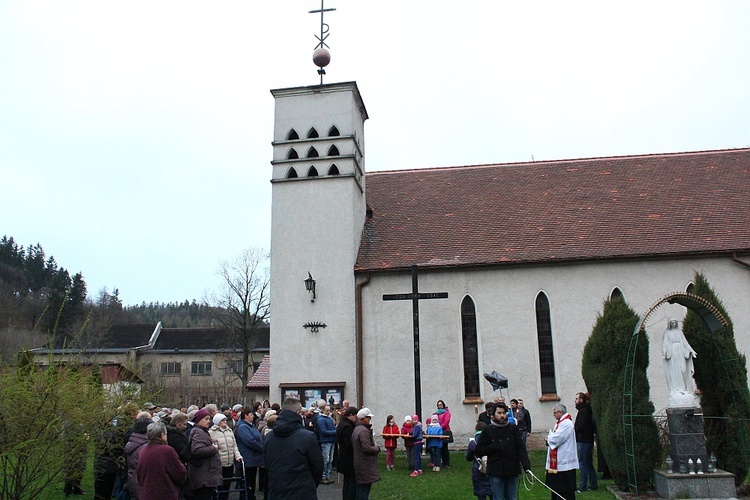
[(135, 137)]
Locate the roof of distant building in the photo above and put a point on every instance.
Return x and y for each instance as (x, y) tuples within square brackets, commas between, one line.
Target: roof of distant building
[(262, 376), (206, 339)]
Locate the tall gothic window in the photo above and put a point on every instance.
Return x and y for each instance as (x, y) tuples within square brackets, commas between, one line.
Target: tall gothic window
[(470, 347), (544, 337), (616, 292)]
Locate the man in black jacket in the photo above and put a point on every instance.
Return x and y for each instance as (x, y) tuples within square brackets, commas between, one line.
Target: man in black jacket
[(346, 452), (292, 456), (506, 452), (585, 431)]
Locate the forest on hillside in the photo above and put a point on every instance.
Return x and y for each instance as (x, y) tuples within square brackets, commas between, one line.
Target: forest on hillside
[(42, 302)]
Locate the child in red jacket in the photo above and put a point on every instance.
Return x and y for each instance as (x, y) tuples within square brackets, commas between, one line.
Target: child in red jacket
[(391, 435)]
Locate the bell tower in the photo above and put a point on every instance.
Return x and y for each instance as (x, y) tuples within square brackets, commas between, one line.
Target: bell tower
[(318, 213)]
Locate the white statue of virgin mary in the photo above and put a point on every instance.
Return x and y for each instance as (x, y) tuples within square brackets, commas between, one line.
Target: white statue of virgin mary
[(678, 367)]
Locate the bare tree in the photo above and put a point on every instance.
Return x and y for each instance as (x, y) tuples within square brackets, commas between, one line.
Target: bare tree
[(242, 303)]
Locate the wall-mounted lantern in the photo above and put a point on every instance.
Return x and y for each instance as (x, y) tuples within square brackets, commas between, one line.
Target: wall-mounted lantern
[(310, 285)]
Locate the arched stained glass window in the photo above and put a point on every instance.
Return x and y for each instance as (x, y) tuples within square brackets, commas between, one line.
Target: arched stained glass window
[(544, 338), (470, 347)]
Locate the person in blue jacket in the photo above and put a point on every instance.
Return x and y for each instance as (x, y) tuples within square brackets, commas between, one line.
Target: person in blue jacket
[(416, 435), (250, 444), (327, 438)]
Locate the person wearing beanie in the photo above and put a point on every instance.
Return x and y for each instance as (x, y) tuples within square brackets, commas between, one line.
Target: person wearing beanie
[(229, 453), (505, 450), (132, 451), (200, 415), (435, 442), (346, 451), (416, 436), (227, 411), (204, 471), (366, 453), (408, 442), (263, 423)]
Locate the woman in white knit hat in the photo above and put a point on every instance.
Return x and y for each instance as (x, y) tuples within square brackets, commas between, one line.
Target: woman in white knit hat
[(223, 437)]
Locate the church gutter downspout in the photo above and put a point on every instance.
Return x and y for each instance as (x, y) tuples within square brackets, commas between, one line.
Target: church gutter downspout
[(738, 261), (360, 371)]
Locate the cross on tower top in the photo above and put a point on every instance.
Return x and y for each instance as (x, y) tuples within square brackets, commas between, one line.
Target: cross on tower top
[(321, 56)]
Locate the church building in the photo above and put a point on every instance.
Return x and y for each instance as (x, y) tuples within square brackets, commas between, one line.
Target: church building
[(512, 263)]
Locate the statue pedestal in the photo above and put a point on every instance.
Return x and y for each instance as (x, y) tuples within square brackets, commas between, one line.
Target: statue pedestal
[(686, 438), (719, 484)]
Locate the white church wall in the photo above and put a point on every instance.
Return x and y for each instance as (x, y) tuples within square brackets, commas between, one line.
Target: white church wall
[(506, 324), (297, 230)]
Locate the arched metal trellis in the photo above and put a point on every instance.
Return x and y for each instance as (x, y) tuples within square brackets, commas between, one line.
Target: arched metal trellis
[(713, 320)]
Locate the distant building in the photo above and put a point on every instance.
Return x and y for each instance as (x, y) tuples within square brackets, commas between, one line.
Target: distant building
[(182, 365)]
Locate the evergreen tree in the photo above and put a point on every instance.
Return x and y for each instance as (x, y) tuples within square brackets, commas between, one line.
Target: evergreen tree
[(721, 377), (603, 370)]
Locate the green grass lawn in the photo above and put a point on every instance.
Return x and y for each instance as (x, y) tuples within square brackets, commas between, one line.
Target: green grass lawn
[(454, 482)]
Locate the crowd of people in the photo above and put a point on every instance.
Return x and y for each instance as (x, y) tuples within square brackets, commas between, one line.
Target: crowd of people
[(287, 450)]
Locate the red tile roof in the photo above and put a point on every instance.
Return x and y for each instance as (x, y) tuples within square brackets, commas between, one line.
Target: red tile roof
[(261, 377), (599, 208)]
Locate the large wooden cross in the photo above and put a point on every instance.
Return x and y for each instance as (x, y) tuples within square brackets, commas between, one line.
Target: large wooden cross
[(415, 297)]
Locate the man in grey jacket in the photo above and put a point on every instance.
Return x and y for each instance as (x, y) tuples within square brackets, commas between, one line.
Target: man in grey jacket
[(365, 454)]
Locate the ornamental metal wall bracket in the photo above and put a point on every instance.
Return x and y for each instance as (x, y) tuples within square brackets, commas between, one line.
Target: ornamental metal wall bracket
[(314, 326)]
